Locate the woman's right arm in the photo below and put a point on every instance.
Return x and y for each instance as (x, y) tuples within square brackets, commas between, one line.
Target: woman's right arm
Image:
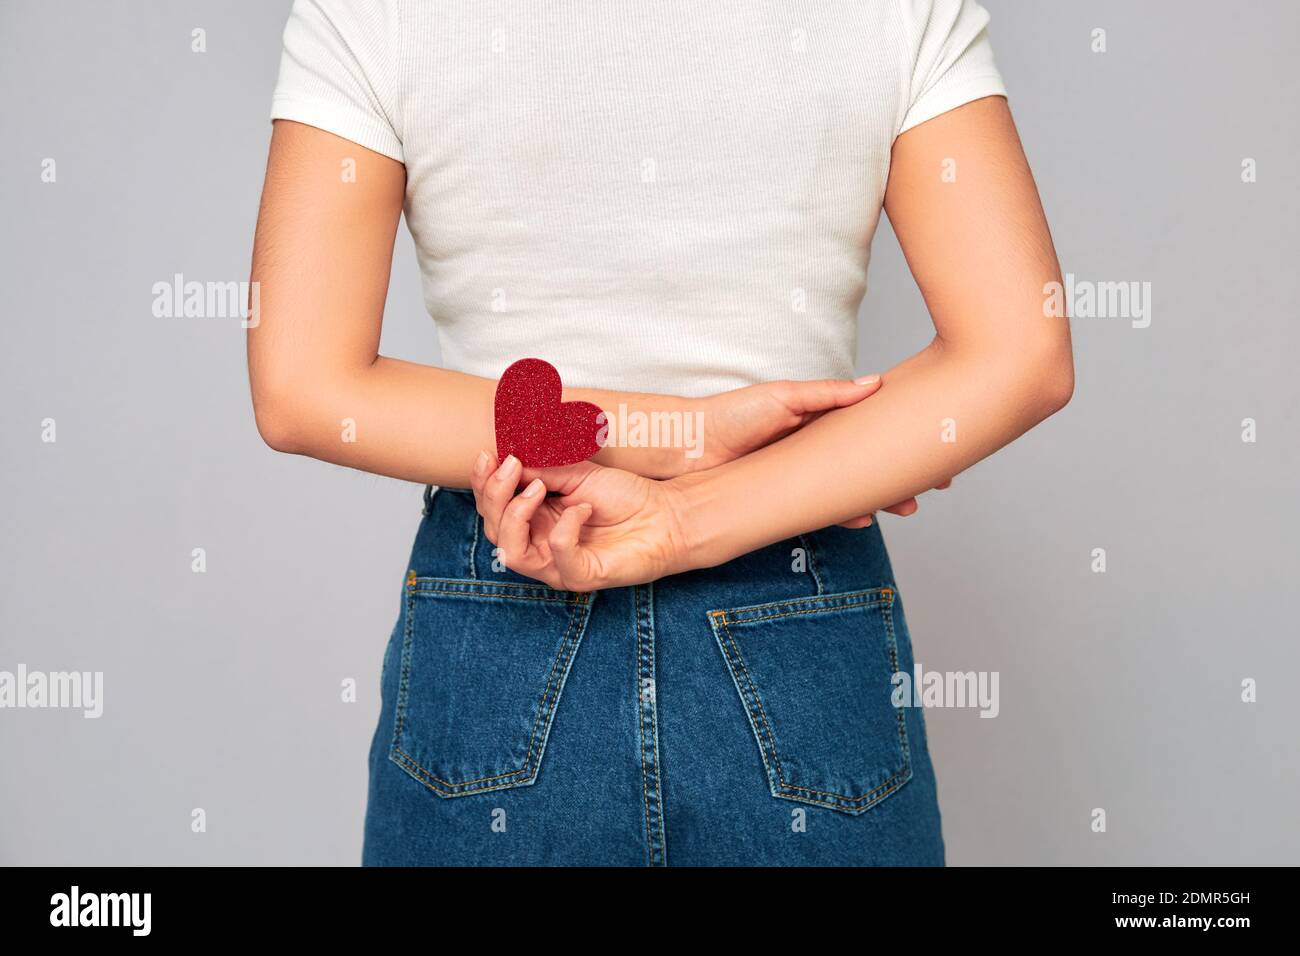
[(321, 260)]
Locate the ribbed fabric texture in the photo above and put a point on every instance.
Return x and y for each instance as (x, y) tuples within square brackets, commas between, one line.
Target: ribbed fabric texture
[(670, 197)]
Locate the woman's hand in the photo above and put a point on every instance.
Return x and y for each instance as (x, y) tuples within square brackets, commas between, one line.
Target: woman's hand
[(602, 528), (744, 419)]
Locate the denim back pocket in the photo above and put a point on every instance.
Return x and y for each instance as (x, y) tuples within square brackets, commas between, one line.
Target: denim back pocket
[(815, 677), (482, 668)]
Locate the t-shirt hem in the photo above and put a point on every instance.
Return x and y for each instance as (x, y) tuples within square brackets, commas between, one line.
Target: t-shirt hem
[(342, 121)]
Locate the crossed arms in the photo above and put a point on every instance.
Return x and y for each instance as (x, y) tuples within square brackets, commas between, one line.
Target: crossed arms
[(782, 458)]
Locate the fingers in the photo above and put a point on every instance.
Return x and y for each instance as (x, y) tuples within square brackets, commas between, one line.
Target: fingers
[(484, 465), (514, 536), (903, 509), (563, 480), (864, 521), (572, 562), (507, 521), (820, 395), (493, 489)]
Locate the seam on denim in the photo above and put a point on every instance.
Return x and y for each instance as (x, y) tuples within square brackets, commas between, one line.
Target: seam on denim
[(723, 641), (723, 615), (505, 590), (640, 720), (753, 693), (894, 783), (771, 737), (473, 546), (499, 597), (405, 676), (641, 726), (817, 602), (662, 836), (811, 552), (896, 780), (477, 584), (893, 664), (542, 721), (542, 705)]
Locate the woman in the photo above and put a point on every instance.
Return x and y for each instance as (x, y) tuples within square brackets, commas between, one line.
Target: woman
[(651, 657)]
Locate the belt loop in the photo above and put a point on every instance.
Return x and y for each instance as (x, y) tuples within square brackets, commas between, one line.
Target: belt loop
[(428, 498)]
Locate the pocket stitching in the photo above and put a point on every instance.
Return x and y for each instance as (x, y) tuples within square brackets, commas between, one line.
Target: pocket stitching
[(894, 782), (818, 602), (722, 615), (893, 662), (482, 589), (532, 740), (566, 652)]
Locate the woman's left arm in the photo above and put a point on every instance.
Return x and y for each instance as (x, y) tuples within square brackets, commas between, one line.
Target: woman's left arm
[(964, 206), (966, 211)]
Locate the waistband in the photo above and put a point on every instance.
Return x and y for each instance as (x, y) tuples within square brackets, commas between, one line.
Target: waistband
[(451, 543)]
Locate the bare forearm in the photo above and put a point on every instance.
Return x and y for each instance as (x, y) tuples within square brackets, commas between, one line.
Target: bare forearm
[(321, 260), (938, 413), (419, 423)]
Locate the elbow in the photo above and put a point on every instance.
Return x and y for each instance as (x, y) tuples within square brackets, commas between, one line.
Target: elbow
[(277, 426), (278, 431), (279, 417), (1052, 378)]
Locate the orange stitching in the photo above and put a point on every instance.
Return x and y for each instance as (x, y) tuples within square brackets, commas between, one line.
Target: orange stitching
[(754, 693), (822, 602), (505, 596), (811, 610), (893, 662), (478, 583), (404, 759), (898, 780)]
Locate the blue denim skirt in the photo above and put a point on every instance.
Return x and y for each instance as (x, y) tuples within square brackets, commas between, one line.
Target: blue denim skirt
[(739, 715)]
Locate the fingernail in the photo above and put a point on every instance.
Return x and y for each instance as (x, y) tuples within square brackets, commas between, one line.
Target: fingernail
[(507, 468), (533, 488), (866, 380), (481, 463)]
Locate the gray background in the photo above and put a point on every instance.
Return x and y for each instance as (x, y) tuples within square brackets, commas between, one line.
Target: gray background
[(1118, 690)]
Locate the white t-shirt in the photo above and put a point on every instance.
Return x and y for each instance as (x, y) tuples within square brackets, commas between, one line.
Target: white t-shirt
[(676, 196)]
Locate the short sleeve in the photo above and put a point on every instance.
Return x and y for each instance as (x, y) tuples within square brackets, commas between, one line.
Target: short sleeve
[(337, 71), (951, 58)]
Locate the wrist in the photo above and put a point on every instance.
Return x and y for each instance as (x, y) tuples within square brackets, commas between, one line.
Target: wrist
[(655, 436), (698, 518)]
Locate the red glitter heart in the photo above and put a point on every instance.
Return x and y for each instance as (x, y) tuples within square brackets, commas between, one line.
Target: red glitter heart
[(534, 425)]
